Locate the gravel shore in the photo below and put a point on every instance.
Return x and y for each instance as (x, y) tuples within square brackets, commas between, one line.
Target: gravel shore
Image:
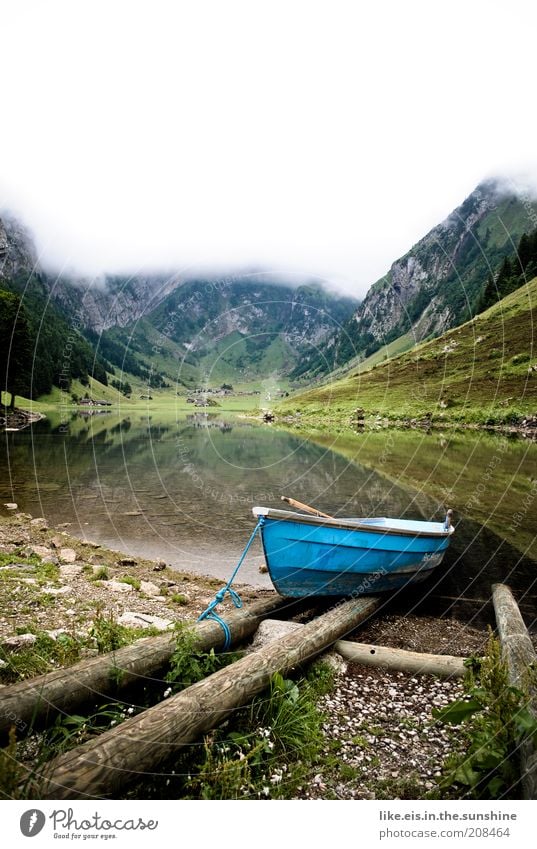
[(381, 740)]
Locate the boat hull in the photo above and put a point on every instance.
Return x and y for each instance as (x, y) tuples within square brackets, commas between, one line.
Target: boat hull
[(307, 559)]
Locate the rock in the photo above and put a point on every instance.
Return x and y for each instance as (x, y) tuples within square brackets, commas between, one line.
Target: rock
[(58, 590), (127, 561), (55, 633), (21, 641), (41, 550), (70, 571), (159, 566), (149, 588), (56, 542), (118, 586), (39, 523), (271, 630), (335, 662), (10, 505), (68, 555), (131, 619), (25, 567), (50, 558), (263, 569)]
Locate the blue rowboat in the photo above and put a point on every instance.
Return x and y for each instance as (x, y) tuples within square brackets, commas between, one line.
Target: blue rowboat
[(319, 556)]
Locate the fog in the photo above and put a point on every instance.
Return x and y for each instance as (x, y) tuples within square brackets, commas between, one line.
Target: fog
[(318, 139)]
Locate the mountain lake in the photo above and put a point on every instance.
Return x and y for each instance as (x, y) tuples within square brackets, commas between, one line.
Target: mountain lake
[(181, 488)]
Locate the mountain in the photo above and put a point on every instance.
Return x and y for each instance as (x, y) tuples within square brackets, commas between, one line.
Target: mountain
[(39, 345), (238, 328), (439, 283), (483, 371), (161, 328)]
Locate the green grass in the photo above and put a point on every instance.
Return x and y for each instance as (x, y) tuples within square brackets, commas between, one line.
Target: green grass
[(477, 372)]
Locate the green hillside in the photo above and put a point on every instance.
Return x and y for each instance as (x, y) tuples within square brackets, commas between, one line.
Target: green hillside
[(483, 371)]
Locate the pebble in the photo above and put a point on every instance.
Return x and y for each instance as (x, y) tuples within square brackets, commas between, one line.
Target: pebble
[(387, 716)]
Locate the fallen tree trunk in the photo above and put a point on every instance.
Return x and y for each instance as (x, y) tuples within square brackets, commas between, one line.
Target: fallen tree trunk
[(101, 766), (37, 702), (444, 666), (521, 660)]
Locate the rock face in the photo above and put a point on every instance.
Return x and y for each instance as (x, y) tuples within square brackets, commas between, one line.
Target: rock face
[(436, 285), (17, 251), (114, 301)]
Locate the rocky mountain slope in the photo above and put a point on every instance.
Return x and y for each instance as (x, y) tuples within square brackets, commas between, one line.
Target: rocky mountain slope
[(438, 283), (161, 327), (238, 328), (484, 372)]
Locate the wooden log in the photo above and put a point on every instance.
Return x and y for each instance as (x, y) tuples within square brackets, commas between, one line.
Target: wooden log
[(521, 660), (103, 765), (36, 702), (418, 663), (442, 665)]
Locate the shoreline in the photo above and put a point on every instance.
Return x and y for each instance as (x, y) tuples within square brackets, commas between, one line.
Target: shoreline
[(373, 423), (18, 419), (380, 738)]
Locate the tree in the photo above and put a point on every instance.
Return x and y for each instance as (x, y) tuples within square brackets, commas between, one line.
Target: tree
[(16, 347)]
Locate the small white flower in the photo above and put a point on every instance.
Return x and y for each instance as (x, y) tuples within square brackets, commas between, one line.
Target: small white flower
[(266, 791), (167, 692), (130, 710)]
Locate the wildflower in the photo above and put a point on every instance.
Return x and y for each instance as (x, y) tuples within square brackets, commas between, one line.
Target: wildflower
[(167, 692), (130, 710)]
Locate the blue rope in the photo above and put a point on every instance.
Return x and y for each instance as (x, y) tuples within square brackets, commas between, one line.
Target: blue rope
[(210, 612)]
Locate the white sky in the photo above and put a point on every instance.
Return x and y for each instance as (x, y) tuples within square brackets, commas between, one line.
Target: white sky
[(316, 137)]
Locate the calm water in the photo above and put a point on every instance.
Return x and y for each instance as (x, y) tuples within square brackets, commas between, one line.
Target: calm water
[(183, 489)]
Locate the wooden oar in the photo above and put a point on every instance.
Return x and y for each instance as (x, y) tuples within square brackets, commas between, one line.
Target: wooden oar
[(305, 507)]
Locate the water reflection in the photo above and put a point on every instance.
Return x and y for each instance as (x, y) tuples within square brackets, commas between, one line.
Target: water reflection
[(183, 489)]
